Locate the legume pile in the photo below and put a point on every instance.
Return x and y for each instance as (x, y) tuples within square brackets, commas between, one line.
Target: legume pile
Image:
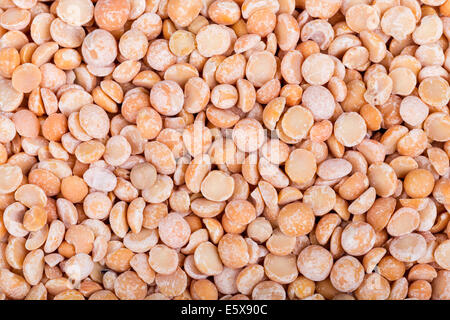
[(224, 149)]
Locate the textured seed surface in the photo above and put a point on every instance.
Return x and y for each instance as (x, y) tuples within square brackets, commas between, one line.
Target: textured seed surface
[(224, 149)]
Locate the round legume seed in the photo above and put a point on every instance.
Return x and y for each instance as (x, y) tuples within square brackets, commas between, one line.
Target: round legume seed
[(133, 138)]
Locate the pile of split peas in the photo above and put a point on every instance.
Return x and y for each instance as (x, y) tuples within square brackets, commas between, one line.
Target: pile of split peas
[(224, 149)]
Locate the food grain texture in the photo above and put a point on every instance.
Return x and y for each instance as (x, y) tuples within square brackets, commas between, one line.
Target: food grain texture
[(224, 149)]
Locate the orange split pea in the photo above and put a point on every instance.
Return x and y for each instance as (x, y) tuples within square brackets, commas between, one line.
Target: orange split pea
[(224, 149)]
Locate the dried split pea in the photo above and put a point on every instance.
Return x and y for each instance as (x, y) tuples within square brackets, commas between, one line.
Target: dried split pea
[(224, 149)]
